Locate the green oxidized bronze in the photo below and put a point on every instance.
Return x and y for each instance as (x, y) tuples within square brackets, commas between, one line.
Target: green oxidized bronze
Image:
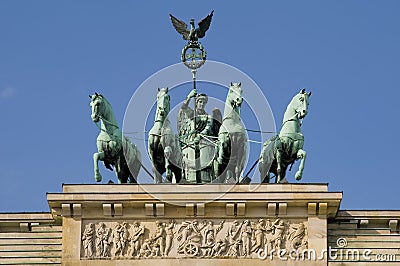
[(115, 150), (193, 50), (232, 140), (221, 140), (283, 150), (163, 146), (208, 147), (198, 132)]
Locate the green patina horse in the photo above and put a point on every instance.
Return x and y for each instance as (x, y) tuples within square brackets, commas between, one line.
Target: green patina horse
[(163, 147), (232, 139), (283, 150), (113, 149)]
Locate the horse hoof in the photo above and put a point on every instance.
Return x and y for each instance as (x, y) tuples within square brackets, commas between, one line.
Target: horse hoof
[(298, 176), (98, 177)]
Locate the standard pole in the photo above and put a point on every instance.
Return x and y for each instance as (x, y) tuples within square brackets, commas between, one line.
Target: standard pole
[(196, 143)]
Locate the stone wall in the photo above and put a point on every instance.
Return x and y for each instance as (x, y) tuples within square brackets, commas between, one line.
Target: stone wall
[(365, 237), (30, 239)]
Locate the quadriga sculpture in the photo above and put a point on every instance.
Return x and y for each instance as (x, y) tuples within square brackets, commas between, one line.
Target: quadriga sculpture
[(163, 147), (114, 150), (284, 149), (232, 138)]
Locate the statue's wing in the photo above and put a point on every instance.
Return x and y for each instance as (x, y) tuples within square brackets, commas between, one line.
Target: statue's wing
[(181, 122), (180, 26), (204, 24), (217, 121)]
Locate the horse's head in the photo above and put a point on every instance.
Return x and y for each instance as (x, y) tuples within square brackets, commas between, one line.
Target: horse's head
[(235, 95), (300, 103), (97, 106), (163, 104)]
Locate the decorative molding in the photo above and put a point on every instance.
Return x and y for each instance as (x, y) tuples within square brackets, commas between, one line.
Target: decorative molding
[(393, 225), (241, 209), (190, 238), (200, 209), (160, 209), (271, 209), (118, 209), (323, 208), (107, 209), (189, 209), (230, 209), (312, 208), (76, 209), (282, 207)]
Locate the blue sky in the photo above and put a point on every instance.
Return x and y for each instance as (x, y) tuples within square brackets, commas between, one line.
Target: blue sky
[(54, 53)]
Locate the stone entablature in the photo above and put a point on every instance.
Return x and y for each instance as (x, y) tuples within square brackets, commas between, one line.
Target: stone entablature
[(198, 222), (175, 225)]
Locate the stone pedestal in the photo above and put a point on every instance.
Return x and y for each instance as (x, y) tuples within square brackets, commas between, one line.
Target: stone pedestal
[(164, 224)]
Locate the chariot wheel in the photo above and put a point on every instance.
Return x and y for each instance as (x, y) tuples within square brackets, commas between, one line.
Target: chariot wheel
[(191, 249)]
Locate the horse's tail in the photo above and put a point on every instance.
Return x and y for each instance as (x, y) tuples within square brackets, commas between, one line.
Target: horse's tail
[(268, 150), (133, 156)]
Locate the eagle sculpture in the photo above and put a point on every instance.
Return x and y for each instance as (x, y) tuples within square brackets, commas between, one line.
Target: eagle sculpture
[(192, 34)]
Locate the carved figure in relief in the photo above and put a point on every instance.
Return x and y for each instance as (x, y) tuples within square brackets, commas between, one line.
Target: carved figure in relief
[(245, 237), (219, 248), (233, 250), (275, 234), (297, 236), (169, 237), (135, 239), (124, 238), (146, 249), (107, 243), (189, 237), (258, 236), (234, 231), (117, 240), (100, 232), (159, 240), (88, 240), (186, 232), (209, 237)]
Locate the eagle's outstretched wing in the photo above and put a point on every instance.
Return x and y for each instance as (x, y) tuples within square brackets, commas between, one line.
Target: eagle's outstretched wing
[(180, 26), (204, 24)]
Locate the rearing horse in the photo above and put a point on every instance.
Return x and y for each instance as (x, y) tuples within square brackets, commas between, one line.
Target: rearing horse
[(113, 149), (163, 146), (283, 150), (232, 137)]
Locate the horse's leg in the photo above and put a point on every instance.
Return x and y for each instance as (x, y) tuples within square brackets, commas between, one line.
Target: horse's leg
[(263, 163), (236, 148), (120, 177), (301, 154), (278, 165), (153, 143), (157, 176), (262, 168), (239, 145), (223, 146), (98, 156), (177, 173), (224, 142), (135, 168), (167, 156)]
